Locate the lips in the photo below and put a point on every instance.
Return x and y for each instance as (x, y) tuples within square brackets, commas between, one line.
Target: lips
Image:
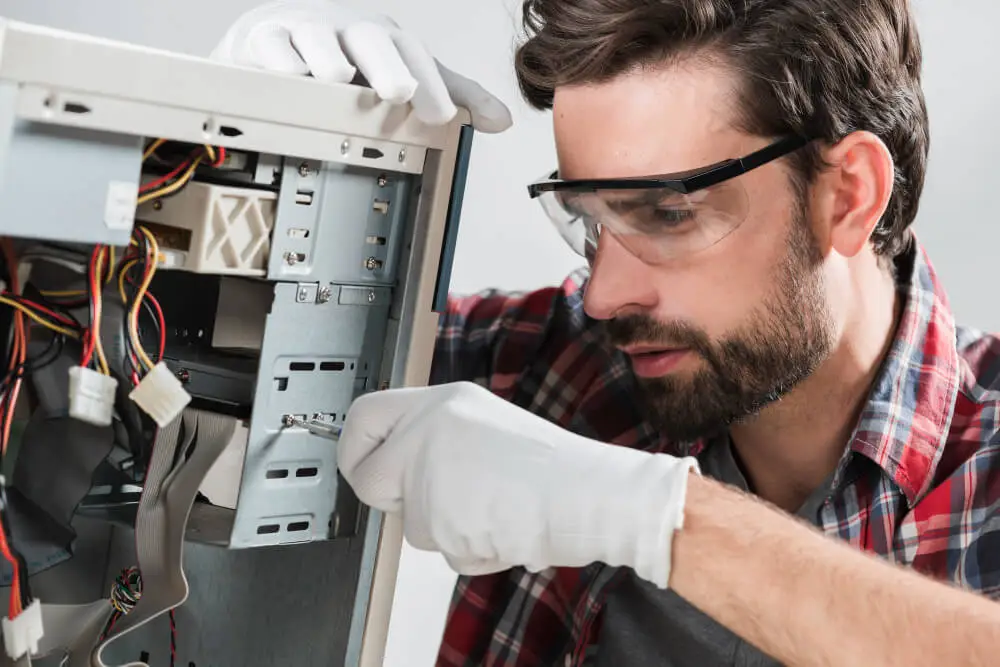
[(654, 361)]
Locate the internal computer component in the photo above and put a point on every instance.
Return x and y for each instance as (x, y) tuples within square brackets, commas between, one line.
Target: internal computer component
[(188, 319)]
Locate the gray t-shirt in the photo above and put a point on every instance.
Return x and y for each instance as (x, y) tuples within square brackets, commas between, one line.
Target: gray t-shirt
[(645, 626)]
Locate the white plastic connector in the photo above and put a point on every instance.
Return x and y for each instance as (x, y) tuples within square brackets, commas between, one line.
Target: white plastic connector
[(22, 634), (91, 396), (161, 395)]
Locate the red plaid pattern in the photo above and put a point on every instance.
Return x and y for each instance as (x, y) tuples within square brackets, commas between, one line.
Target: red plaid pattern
[(919, 483)]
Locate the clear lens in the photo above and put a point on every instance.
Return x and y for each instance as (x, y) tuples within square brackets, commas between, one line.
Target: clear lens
[(654, 224)]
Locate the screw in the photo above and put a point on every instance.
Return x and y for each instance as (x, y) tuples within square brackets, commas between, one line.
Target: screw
[(304, 169), (402, 155), (382, 180), (371, 263), (291, 258), (345, 147), (287, 420), (157, 205), (324, 294), (184, 376), (303, 294), (371, 296)]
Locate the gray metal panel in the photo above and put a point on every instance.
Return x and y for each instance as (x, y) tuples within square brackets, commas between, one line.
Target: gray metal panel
[(316, 357), (391, 373), (251, 608), (331, 226), (97, 174)]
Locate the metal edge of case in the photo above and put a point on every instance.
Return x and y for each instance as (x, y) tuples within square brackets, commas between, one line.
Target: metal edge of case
[(55, 60), (410, 365)]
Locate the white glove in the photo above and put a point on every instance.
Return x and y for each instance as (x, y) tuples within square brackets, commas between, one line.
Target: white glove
[(492, 486), (333, 42)]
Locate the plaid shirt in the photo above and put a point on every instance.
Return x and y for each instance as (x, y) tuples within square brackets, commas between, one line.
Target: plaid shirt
[(919, 482)]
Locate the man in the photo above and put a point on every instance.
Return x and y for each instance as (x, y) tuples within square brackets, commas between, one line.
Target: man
[(758, 332)]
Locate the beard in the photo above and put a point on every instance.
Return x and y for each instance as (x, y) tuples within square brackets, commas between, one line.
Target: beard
[(781, 344)]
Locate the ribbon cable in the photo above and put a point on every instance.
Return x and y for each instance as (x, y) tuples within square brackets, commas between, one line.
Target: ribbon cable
[(183, 453)]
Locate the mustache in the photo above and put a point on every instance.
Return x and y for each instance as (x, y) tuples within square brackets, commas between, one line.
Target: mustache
[(642, 329)]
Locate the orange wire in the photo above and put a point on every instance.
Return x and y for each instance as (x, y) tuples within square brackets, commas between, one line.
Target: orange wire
[(17, 359)]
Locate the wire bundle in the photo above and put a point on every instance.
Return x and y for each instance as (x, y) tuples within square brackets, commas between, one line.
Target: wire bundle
[(126, 591), (180, 175), (138, 268), (62, 325)]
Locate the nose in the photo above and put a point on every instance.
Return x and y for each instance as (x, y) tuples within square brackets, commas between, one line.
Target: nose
[(620, 283)]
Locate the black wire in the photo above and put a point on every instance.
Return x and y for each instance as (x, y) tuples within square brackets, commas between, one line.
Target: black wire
[(156, 326), (173, 639)]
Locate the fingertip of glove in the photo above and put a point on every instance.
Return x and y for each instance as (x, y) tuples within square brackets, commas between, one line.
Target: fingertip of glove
[(492, 124)]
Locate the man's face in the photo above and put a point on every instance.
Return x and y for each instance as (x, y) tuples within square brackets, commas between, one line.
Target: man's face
[(715, 335)]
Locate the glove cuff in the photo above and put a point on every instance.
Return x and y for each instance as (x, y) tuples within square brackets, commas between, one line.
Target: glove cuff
[(620, 507)]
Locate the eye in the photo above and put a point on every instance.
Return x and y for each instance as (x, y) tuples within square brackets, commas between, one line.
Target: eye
[(664, 220), (671, 216)]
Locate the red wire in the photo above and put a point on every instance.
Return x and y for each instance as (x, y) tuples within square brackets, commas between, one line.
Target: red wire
[(152, 185), (51, 313), (94, 286)]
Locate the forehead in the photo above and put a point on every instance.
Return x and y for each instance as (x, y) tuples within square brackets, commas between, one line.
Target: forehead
[(652, 120)]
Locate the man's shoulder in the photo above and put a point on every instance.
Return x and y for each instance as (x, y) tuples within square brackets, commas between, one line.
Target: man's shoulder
[(514, 309), (971, 456), (979, 352)]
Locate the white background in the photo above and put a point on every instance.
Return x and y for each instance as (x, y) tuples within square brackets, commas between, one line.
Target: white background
[(505, 242)]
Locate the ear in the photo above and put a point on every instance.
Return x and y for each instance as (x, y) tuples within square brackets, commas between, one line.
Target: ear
[(858, 185)]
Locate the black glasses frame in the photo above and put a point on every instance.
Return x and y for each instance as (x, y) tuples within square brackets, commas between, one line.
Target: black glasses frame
[(684, 183)]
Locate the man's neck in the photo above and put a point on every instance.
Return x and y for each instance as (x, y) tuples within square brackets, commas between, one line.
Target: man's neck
[(793, 445)]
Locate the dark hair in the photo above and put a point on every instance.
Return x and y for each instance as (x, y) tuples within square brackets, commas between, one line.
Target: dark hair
[(815, 68)]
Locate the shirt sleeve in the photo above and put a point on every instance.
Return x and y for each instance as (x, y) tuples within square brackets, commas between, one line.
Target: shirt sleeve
[(492, 337)]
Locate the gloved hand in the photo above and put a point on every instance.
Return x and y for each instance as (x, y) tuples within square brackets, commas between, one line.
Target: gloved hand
[(492, 486), (332, 42)]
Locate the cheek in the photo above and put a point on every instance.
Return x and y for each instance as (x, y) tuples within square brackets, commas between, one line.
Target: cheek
[(719, 289)]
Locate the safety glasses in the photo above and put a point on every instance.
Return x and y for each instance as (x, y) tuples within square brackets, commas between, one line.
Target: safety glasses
[(656, 218)]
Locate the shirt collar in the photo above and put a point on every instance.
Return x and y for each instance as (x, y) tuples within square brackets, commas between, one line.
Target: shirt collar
[(905, 423)]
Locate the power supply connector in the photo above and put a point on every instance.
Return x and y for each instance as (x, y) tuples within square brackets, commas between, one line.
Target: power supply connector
[(91, 396), (22, 634), (161, 395)]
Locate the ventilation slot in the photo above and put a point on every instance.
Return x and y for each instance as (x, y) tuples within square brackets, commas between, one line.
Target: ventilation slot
[(268, 529), (76, 107), (298, 526), (302, 366), (307, 472), (277, 474), (230, 131), (371, 153), (332, 366)]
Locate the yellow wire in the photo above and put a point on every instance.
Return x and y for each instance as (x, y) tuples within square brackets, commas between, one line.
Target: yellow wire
[(121, 278), (152, 148), (173, 187), (34, 316), (95, 326), (111, 264), (211, 153), (62, 293), (140, 295)]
